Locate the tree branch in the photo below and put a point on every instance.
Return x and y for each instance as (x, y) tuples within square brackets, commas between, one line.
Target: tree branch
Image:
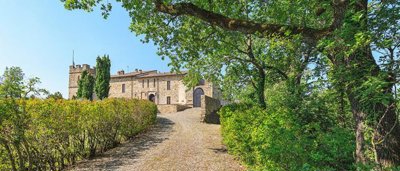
[(241, 60), (234, 46), (248, 73), (251, 27)]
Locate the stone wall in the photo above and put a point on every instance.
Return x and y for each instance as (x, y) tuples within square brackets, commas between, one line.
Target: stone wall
[(116, 87), (172, 108), (167, 108), (157, 86), (182, 107), (209, 109)]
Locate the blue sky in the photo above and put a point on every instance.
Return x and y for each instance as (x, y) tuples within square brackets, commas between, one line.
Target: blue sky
[(39, 36)]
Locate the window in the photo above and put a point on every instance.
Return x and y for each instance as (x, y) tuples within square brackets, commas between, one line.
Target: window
[(168, 85), (123, 88), (168, 100), (154, 82), (148, 83), (143, 84)]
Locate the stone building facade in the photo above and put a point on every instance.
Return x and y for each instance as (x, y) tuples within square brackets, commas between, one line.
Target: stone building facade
[(163, 88), (75, 72)]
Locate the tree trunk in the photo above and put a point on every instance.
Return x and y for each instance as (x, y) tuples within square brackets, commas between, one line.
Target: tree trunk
[(260, 88), (356, 69), (386, 138), (359, 117)]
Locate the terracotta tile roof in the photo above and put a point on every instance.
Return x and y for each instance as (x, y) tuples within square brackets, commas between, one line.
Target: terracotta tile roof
[(133, 74), (162, 74)]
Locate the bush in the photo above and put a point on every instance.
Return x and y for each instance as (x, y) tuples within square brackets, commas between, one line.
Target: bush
[(51, 134), (274, 139)]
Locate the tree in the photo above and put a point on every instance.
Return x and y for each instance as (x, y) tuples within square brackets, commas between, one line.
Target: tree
[(102, 85), (14, 86), (13, 81), (57, 95), (192, 33), (85, 86)]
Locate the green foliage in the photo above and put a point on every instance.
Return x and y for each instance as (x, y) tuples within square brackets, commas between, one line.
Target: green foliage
[(85, 86), (13, 78), (212, 53), (51, 134), (284, 137), (324, 73), (272, 141), (57, 95), (14, 84), (102, 84)]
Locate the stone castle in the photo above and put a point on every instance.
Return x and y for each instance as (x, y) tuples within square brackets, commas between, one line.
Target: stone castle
[(162, 88)]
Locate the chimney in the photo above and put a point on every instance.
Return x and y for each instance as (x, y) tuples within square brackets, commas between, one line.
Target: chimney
[(121, 72)]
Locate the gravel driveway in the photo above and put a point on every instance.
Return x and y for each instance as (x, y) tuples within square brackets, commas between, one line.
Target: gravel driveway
[(177, 142)]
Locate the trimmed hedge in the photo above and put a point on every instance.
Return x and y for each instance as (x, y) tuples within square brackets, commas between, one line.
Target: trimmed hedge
[(274, 140), (51, 134)]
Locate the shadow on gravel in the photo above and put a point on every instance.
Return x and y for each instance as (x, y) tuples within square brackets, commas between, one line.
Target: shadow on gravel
[(130, 150)]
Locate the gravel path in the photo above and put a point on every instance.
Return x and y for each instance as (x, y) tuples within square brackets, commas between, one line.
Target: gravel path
[(177, 142)]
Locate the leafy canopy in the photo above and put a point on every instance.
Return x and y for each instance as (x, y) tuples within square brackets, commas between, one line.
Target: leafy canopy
[(14, 84)]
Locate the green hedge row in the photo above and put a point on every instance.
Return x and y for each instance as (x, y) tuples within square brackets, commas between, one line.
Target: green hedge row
[(51, 134), (275, 140)]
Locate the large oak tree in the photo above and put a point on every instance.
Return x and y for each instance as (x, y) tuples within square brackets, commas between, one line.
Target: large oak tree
[(203, 35)]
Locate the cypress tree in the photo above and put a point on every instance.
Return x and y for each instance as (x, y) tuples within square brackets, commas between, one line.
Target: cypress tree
[(102, 85), (85, 86)]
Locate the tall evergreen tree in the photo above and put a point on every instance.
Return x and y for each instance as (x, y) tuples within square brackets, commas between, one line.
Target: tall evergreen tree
[(85, 86), (102, 85)]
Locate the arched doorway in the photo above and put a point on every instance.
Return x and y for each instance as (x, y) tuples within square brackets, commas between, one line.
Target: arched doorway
[(152, 98), (197, 97)]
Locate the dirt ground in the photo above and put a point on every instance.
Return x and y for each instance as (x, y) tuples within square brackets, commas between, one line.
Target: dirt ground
[(179, 141)]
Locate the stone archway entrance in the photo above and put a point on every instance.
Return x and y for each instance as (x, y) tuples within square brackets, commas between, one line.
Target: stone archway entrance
[(152, 98), (197, 97)]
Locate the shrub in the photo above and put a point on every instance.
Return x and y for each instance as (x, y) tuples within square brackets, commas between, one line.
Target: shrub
[(51, 134), (274, 139)]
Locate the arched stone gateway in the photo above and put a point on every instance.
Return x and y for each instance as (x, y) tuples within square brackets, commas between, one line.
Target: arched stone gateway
[(152, 98), (197, 97)]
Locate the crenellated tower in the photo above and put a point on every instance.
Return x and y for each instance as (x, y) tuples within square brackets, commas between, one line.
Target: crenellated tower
[(75, 72)]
